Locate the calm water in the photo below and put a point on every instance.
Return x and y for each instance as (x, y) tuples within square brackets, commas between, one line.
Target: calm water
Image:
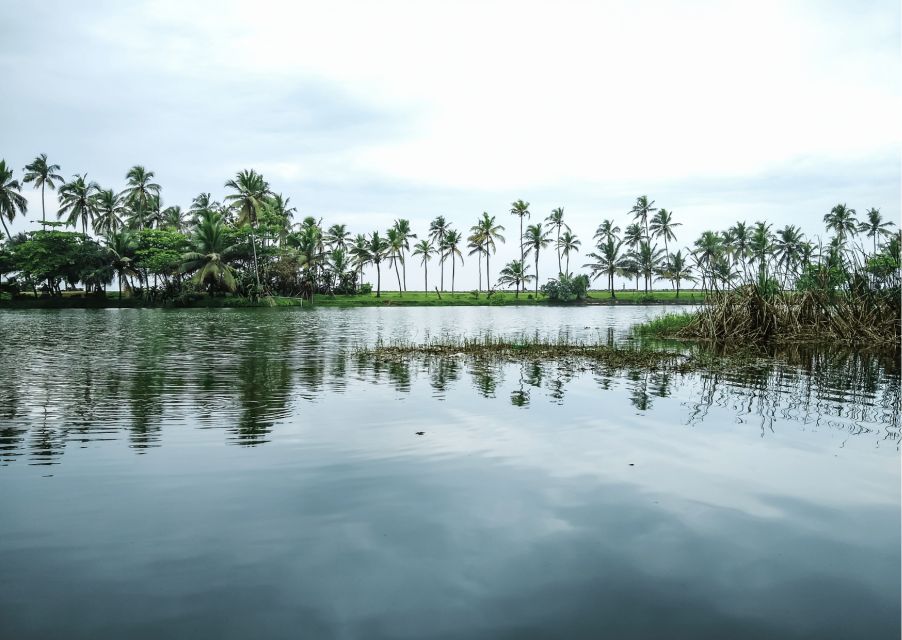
[(236, 474)]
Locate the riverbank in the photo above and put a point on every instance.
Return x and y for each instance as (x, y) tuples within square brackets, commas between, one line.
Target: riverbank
[(76, 300)]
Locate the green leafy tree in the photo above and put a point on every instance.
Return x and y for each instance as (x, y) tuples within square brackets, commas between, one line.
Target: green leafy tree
[(108, 212), (208, 259), (139, 194), (77, 202)]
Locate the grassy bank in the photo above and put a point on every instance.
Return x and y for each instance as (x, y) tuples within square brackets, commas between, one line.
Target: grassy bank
[(74, 300)]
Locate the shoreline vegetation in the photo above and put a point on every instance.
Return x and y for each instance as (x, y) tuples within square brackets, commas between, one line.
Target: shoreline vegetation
[(755, 283)]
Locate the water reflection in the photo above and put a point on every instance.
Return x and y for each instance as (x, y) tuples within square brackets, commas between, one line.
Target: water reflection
[(131, 375)]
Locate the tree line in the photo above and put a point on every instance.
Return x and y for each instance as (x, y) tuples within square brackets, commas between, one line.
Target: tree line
[(248, 243)]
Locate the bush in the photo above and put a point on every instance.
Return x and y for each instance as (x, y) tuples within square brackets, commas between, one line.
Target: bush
[(567, 288), (366, 288)]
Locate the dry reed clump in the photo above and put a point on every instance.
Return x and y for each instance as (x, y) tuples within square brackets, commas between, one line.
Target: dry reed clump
[(855, 317)]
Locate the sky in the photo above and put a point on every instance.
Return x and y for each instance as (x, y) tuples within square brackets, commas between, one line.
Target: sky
[(365, 112)]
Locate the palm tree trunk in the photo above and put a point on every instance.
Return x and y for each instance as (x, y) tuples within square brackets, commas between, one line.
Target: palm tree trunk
[(256, 267), (522, 254), (559, 249), (43, 210), (378, 280), (488, 280), (404, 269), (398, 274), (9, 237), (425, 277), (441, 284), (537, 273), (568, 263), (453, 270)]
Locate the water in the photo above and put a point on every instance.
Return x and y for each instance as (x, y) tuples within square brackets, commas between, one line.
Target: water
[(541, 501)]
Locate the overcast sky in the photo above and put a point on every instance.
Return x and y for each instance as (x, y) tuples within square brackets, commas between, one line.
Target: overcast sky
[(366, 112)]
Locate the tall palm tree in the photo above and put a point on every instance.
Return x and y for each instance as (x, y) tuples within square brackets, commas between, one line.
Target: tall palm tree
[(488, 232), (360, 252), (121, 246), (251, 191), (211, 251), (437, 230), (377, 249), (425, 250), (476, 245), (662, 226), (761, 247), (404, 231), (676, 269), (521, 210), (174, 218), (787, 248), (874, 226), (11, 200), (707, 248), (281, 215), (567, 243), (337, 237), (514, 273), (555, 220), (535, 239), (607, 260), (641, 210), (647, 259), (139, 192), (738, 237), (841, 220), (108, 212), (396, 252), (451, 249), (42, 175), (632, 237), (77, 199), (607, 230)]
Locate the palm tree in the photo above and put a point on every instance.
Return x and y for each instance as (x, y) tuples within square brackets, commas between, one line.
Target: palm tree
[(108, 211), (139, 192), (403, 228), (281, 215), (425, 250), (488, 232), (376, 250), (841, 220), (360, 253), (42, 175), (607, 260), (676, 269), (875, 226), (535, 239), (208, 260), (707, 248), (607, 230), (647, 259), (120, 244), (787, 248), (737, 239), (437, 230), (567, 243), (174, 218), (521, 210), (337, 237), (514, 273), (77, 199), (641, 211), (632, 237), (11, 201), (396, 252), (662, 226), (451, 249), (251, 190), (555, 220), (201, 204), (761, 247)]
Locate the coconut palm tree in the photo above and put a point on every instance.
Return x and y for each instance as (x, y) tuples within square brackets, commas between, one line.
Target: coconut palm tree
[(108, 212), (42, 175), (121, 246), (489, 232), (647, 259), (632, 237), (11, 200), (476, 245), (396, 252), (337, 237), (251, 191), (662, 226), (875, 227), (377, 248), (707, 248), (761, 247), (360, 253), (77, 199), (567, 243), (174, 218), (437, 230), (425, 250), (280, 215), (607, 260), (521, 210), (607, 230), (641, 210), (514, 273), (841, 220), (201, 204), (211, 251), (737, 239), (535, 239), (404, 231), (787, 248), (139, 193), (555, 220), (676, 269), (451, 249)]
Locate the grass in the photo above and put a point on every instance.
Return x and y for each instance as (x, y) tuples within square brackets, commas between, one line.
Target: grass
[(666, 326)]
